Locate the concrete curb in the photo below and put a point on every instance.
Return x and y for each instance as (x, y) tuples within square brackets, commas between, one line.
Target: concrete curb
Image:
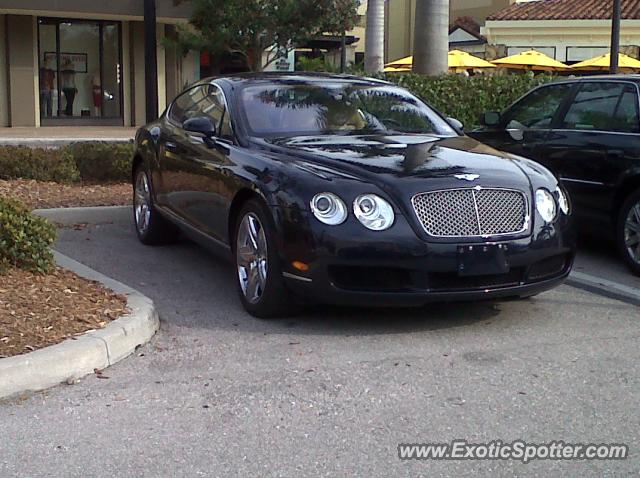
[(71, 215), (604, 287), (98, 349)]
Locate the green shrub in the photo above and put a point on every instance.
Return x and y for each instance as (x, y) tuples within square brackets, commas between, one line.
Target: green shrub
[(24, 238), (466, 98), (99, 162), (90, 162), (315, 65), (37, 163)]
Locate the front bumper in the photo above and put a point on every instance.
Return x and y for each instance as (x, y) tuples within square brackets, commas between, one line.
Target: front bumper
[(351, 265)]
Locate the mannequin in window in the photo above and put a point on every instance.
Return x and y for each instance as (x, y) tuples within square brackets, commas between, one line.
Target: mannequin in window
[(97, 94), (68, 84), (47, 80)]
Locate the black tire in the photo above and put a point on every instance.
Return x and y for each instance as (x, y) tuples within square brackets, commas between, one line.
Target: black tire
[(156, 230), (630, 253), (274, 298)]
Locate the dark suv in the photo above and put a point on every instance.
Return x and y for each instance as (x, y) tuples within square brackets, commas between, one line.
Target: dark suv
[(587, 131)]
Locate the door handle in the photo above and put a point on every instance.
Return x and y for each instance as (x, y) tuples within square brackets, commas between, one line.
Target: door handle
[(170, 146), (516, 134)]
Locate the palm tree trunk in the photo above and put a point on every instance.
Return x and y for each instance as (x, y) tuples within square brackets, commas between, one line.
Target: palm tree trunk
[(374, 40), (431, 37)]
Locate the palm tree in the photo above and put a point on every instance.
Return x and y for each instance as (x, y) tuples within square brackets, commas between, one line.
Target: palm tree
[(431, 37), (374, 40)]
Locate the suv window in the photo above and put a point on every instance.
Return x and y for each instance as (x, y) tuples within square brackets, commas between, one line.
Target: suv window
[(603, 107), (625, 119), (537, 109)]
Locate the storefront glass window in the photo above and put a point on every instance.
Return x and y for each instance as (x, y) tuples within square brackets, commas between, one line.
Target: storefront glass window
[(80, 72), (48, 72)]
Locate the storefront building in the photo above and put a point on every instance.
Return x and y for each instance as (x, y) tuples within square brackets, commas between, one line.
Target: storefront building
[(73, 62), (568, 30)]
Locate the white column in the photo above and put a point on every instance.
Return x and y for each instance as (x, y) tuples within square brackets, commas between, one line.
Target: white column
[(162, 70)]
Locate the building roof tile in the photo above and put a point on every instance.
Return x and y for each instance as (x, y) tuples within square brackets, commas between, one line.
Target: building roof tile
[(567, 10)]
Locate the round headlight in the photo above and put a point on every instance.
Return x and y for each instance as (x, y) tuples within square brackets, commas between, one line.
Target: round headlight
[(546, 205), (329, 208), (563, 200), (373, 212)]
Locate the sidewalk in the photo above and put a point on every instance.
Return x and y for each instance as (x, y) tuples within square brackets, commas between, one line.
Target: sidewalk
[(52, 136)]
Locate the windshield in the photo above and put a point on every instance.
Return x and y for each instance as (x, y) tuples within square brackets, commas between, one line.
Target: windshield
[(339, 108)]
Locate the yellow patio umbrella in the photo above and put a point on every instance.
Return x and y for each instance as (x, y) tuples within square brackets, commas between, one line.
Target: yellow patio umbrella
[(401, 63), (458, 59), (530, 60), (396, 69), (603, 62), (464, 60)]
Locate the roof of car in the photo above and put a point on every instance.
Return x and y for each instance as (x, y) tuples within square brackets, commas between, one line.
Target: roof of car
[(293, 77), (619, 77)]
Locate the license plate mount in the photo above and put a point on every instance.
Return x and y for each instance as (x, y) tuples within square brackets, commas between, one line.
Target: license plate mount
[(484, 259)]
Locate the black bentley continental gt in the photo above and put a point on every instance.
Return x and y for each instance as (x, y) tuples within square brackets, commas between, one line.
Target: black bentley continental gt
[(343, 190)]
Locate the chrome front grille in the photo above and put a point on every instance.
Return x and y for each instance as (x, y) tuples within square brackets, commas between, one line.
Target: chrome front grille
[(472, 212)]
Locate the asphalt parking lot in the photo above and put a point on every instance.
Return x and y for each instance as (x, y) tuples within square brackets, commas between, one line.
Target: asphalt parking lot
[(334, 391), (600, 259)]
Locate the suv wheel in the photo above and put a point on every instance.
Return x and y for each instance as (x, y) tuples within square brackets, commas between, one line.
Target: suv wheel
[(628, 234)]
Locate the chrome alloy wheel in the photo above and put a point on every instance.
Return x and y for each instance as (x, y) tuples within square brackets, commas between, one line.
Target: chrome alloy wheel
[(142, 202), (251, 258), (632, 233)]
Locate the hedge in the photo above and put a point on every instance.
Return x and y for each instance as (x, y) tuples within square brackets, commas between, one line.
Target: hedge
[(88, 162), (466, 98), (102, 162), (24, 238), (37, 163)]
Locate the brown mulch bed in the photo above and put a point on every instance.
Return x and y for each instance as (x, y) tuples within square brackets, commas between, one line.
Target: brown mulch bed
[(38, 194), (37, 310)]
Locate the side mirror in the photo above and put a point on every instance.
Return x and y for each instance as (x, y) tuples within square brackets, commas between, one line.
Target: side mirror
[(201, 125), (490, 118), (456, 124)]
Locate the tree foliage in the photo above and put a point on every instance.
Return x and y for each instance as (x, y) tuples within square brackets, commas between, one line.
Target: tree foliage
[(249, 27)]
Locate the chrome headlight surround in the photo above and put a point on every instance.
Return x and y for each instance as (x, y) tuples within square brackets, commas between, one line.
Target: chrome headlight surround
[(373, 212), (563, 201), (546, 205), (328, 208)]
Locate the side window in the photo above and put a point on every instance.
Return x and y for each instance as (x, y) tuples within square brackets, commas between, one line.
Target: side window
[(185, 106), (625, 119), (594, 107), (226, 131), (212, 104), (204, 100), (215, 107), (536, 110), (181, 105)]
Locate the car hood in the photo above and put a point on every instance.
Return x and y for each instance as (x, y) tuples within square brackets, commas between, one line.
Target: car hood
[(416, 162)]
